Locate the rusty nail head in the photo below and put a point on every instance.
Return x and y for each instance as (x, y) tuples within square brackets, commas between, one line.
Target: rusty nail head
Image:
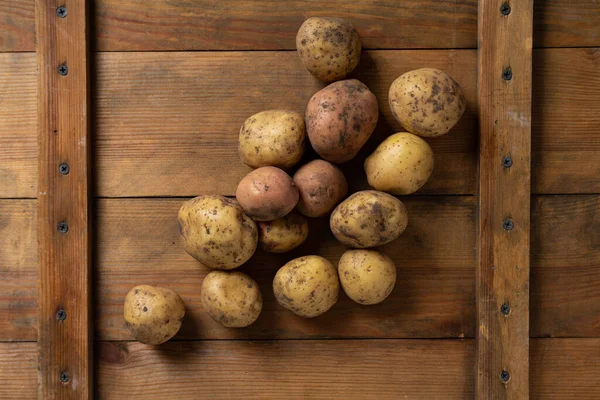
[(505, 309), (505, 9), (61, 11), (61, 315), (507, 74), (64, 377), (504, 376), (63, 69), (507, 162), (508, 224), (64, 168), (63, 227)]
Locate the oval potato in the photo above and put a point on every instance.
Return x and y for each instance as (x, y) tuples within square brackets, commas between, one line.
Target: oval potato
[(367, 276), (322, 186), (283, 234)]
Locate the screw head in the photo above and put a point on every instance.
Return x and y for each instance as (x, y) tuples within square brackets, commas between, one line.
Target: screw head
[(505, 309), (64, 377), (507, 74), (61, 315), (63, 69), (508, 224), (61, 11), (504, 376), (64, 168), (505, 9), (507, 162), (63, 227)]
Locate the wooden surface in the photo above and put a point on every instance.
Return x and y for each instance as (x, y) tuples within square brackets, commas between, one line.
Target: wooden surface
[(502, 271), (64, 257), (18, 371)]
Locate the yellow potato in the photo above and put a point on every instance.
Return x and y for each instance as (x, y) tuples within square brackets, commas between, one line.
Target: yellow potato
[(153, 314), (427, 102), (322, 186), (283, 234), (367, 276), (368, 219), (273, 137), (401, 164), (307, 286)]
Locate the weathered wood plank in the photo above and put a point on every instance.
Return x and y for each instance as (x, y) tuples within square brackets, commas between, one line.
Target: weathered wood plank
[(18, 371), (566, 23), (17, 25)]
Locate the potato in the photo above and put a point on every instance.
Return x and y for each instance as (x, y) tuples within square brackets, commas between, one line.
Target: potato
[(273, 137), (367, 276), (231, 298), (340, 118), (216, 232), (283, 234), (401, 164), (368, 219), (322, 186), (427, 102), (328, 47), (307, 286), (153, 314), (267, 193)]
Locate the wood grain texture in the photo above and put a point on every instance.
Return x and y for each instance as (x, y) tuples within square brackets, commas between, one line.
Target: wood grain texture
[(566, 23), (17, 25), (18, 371), (504, 107)]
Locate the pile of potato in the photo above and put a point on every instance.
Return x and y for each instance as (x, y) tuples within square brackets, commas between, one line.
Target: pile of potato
[(271, 206)]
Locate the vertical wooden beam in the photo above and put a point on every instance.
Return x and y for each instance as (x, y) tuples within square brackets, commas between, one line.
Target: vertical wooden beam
[(65, 369), (504, 103)]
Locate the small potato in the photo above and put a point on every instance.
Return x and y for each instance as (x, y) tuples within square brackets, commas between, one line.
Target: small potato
[(283, 234), (153, 314), (307, 286), (400, 165), (427, 102), (322, 186), (267, 193), (231, 298), (367, 276), (328, 47), (340, 118), (273, 137), (216, 232), (368, 219)]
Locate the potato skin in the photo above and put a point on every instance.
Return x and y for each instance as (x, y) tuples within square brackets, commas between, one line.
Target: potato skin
[(231, 298), (153, 314), (328, 47), (307, 286), (367, 219), (216, 232), (272, 137), (283, 234), (367, 276), (267, 193), (340, 118), (401, 164), (322, 186), (427, 102)]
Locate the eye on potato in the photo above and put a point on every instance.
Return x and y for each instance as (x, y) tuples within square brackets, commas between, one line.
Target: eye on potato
[(427, 101), (216, 232), (328, 47), (283, 234), (367, 276), (401, 164), (322, 186), (153, 315)]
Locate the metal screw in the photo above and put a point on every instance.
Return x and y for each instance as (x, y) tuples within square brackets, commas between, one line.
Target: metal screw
[(504, 376), (61, 315), (64, 168), (61, 11), (505, 309), (63, 227), (508, 224), (64, 377), (505, 9), (507, 162), (507, 74), (63, 69)]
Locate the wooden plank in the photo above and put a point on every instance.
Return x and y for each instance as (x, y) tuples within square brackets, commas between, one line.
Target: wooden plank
[(504, 106), (18, 371), (17, 25), (64, 284), (566, 23)]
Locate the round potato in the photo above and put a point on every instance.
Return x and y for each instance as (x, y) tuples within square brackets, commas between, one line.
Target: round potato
[(267, 193), (427, 102), (307, 286), (231, 298), (400, 165), (340, 118), (283, 234), (153, 314), (322, 186), (273, 137), (368, 219), (328, 47), (216, 232), (367, 276)]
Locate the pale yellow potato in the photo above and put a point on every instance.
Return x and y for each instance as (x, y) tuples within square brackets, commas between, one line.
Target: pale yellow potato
[(283, 234), (427, 101), (328, 47), (153, 315), (368, 219), (231, 298), (322, 186), (273, 137), (367, 276), (401, 164), (307, 286), (216, 232)]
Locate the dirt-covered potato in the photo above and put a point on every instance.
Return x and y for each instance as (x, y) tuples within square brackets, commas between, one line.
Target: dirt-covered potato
[(367, 276), (273, 137), (427, 101), (322, 186), (231, 298), (340, 118), (283, 234), (267, 193), (216, 232), (368, 219), (328, 47), (400, 165), (153, 314), (307, 286)]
